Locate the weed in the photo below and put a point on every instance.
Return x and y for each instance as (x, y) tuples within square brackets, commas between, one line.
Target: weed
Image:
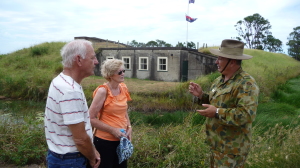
[(167, 130), (38, 51)]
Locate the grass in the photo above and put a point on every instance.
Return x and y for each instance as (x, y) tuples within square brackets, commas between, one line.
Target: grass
[(22, 140), (167, 131)]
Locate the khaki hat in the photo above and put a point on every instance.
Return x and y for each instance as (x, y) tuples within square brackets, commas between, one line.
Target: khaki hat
[(232, 49)]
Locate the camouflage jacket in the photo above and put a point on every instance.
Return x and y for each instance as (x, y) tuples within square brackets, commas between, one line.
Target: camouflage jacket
[(237, 100)]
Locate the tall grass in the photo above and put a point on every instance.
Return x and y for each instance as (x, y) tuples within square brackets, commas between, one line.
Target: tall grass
[(279, 147), (167, 130), (22, 139), (27, 73), (270, 70), (170, 145)]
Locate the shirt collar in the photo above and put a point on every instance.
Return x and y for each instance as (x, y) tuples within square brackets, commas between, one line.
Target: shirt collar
[(233, 76)]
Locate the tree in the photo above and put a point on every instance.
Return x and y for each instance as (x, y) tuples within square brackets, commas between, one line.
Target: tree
[(272, 44), (294, 43), (180, 44), (157, 43), (191, 45), (253, 29), (152, 44), (162, 43), (134, 43)]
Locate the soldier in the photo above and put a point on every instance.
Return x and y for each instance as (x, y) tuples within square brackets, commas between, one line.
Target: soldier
[(231, 106)]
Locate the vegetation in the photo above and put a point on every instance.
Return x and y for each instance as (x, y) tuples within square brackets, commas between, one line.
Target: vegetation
[(167, 131), (161, 43), (294, 43), (27, 73), (255, 30), (156, 43)]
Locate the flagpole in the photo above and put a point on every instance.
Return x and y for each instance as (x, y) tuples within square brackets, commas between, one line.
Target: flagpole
[(187, 26), (187, 34)]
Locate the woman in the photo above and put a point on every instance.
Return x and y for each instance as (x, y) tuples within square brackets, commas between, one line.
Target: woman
[(108, 113)]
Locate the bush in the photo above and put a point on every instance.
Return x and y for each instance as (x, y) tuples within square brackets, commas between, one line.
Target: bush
[(39, 50), (22, 140)]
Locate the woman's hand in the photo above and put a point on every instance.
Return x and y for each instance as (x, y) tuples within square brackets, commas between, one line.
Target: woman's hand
[(117, 133), (129, 133)]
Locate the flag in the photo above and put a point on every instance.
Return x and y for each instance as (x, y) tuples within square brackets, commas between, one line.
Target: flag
[(191, 1), (189, 19)]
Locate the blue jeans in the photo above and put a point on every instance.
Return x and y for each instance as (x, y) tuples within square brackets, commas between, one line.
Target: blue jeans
[(55, 162)]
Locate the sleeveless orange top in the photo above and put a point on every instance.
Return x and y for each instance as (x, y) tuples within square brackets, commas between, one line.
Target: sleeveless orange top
[(113, 111)]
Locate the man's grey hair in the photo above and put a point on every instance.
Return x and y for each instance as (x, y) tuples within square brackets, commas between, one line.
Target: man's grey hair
[(72, 49)]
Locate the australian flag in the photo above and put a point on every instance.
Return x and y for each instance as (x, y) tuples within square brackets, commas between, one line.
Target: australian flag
[(189, 19), (191, 1)]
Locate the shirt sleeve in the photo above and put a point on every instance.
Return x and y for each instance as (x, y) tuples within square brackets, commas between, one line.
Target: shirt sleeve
[(72, 107), (204, 99)]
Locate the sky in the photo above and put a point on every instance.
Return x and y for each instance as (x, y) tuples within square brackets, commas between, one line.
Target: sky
[(27, 23)]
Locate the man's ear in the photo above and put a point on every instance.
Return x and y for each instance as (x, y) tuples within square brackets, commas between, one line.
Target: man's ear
[(78, 60)]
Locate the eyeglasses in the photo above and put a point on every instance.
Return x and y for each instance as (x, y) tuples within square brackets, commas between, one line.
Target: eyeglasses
[(120, 72)]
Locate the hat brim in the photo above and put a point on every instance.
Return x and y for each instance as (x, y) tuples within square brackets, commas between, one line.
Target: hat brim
[(237, 57)]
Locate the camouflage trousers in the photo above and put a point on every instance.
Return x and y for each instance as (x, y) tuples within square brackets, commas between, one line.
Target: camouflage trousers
[(221, 160)]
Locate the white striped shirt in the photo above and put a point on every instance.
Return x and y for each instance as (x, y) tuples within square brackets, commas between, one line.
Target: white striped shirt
[(66, 104)]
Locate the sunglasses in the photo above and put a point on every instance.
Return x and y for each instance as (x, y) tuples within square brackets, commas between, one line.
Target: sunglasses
[(120, 72)]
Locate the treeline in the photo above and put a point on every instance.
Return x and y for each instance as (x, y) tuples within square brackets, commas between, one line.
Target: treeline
[(254, 31), (161, 43)]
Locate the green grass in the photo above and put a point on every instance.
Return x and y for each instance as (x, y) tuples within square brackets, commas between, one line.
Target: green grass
[(158, 119), (27, 73), (22, 139), (167, 130)]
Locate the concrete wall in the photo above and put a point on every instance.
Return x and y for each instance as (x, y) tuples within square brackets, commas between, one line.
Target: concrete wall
[(201, 64), (173, 57), (102, 43), (198, 63)]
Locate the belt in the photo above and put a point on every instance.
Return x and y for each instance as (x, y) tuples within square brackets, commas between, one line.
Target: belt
[(67, 155)]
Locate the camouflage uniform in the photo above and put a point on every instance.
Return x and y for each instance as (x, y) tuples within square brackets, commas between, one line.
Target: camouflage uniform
[(237, 100)]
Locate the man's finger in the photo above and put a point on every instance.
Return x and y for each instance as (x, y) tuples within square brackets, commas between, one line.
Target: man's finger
[(205, 105)]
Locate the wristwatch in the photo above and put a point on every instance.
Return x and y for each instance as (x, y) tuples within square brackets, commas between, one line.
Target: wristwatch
[(217, 114)]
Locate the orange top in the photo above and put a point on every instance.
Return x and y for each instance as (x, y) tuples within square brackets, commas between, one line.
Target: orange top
[(113, 111)]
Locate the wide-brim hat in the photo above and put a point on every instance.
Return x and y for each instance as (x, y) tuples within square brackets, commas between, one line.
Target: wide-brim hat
[(232, 49)]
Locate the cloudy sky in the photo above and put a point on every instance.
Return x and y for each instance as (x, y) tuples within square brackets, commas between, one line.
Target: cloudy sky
[(27, 23)]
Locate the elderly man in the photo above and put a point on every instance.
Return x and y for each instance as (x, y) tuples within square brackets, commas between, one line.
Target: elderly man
[(67, 121), (231, 106)]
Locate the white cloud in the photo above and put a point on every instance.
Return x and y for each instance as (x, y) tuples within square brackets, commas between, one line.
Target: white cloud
[(25, 23)]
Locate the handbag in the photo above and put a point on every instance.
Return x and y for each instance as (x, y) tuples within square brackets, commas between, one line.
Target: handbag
[(124, 149), (101, 110)]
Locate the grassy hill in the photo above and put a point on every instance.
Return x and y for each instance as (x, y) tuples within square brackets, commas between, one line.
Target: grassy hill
[(27, 73), (160, 138)]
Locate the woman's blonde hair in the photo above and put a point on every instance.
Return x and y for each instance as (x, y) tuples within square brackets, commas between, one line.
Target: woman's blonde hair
[(110, 66)]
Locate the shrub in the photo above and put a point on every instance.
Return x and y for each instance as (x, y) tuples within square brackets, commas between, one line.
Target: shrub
[(39, 50), (22, 140)]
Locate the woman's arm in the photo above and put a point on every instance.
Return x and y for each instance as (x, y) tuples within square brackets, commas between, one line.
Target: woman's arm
[(97, 104), (129, 128)]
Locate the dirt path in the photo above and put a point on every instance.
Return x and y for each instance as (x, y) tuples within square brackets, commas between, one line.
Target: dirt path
[(136, 85)]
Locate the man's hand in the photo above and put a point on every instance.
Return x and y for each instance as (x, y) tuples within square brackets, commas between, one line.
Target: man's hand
[(98, 160), (195, 89), (209, 112)]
